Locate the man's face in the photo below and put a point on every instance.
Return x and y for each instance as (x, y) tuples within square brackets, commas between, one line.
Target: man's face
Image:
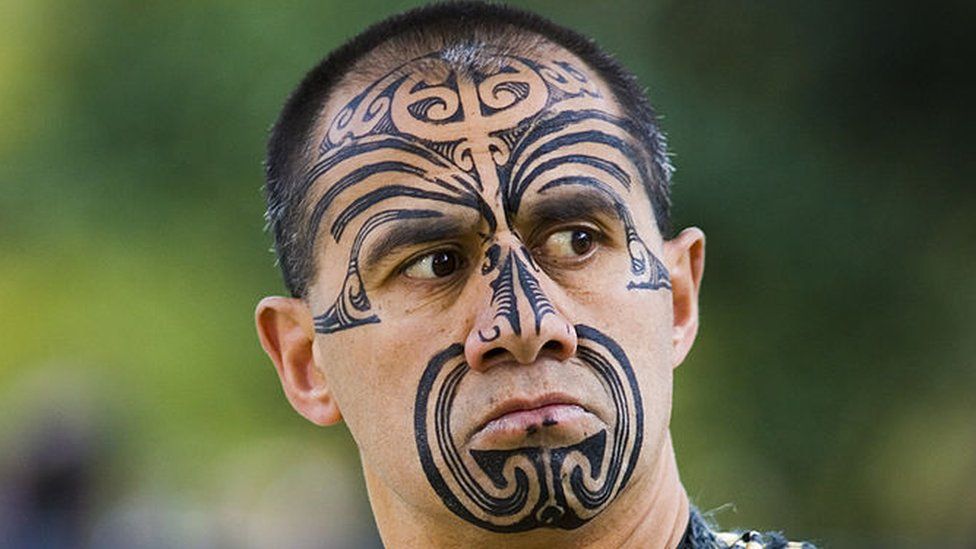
[(491, 313)]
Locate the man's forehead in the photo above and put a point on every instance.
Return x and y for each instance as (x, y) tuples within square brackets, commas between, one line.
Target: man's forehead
[(466, 62), (468, 125), (511, 86)]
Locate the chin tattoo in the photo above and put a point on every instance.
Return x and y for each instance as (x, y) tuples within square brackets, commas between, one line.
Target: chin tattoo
[(530, 487)]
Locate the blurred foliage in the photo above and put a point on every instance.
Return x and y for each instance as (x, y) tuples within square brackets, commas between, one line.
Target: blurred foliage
[(825, 148)]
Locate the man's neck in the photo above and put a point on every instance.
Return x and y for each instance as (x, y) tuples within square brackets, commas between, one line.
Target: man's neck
[(652, 512)]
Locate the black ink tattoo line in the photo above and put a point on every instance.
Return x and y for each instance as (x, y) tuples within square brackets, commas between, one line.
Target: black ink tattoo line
[(351, 306), (491, 258), (515, 490), (650, 272), (410, 234), (538, 302), (504, 300)]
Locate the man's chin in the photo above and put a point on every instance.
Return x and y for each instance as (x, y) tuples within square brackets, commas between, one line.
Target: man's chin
[(550, 426)]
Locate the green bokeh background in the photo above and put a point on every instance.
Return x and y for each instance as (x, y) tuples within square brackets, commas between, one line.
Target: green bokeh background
[(826, 148)]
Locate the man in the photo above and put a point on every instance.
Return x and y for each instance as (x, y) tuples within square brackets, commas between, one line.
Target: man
[(469, 206)]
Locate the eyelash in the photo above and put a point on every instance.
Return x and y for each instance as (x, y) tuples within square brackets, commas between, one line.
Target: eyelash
[(599, 236), (415, 259)]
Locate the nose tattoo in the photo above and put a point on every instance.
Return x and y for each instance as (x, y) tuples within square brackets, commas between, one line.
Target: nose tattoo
[(505, 302)]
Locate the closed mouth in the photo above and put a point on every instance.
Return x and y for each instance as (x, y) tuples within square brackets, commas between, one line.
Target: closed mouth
[(518, 418)]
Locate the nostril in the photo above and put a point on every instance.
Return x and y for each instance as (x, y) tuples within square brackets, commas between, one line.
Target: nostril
[(492, 353), (553, 346)]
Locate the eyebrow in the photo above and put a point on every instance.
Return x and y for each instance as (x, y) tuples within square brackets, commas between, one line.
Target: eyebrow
[(413, 232), (590, 198), (585, 203)]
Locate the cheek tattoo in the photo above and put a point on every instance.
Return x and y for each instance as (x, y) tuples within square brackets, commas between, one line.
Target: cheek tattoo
[(351, 308), (531, 117), (534, 486)]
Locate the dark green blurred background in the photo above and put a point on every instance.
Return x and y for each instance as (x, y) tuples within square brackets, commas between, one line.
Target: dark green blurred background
[(824, 147)]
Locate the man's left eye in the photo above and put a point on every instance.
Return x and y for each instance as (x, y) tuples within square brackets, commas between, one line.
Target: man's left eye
[(437, 264), (569, 244)]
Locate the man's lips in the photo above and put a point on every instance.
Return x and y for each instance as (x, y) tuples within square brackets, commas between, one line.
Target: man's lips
[(516, 419)]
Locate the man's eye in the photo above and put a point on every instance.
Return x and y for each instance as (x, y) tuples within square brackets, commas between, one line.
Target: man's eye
[(438, 264), (569, 244)]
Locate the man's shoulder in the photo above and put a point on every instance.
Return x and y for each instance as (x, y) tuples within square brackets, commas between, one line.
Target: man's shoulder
[(702, 535), (756, 540)]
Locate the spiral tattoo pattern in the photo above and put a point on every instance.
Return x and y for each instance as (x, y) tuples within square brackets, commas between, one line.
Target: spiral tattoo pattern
[(515, 490)]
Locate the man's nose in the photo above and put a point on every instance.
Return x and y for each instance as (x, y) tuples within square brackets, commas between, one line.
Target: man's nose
[(520, 323)]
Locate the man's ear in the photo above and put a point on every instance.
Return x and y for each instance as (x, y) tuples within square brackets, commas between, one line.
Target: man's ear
[(685, 258), (286, 330)]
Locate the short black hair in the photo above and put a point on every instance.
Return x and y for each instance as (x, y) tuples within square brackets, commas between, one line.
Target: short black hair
[(290, 146)]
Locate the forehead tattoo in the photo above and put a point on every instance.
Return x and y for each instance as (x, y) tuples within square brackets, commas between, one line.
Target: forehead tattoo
[(529, 116)]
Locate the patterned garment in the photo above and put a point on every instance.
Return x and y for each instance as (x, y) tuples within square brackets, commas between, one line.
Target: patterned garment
[(700, 535)]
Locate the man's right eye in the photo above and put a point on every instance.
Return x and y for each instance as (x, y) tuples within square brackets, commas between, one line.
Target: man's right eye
[(436, 264)]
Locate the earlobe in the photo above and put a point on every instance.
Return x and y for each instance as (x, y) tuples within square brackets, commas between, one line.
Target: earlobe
[(285, 328), (685, 258)]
